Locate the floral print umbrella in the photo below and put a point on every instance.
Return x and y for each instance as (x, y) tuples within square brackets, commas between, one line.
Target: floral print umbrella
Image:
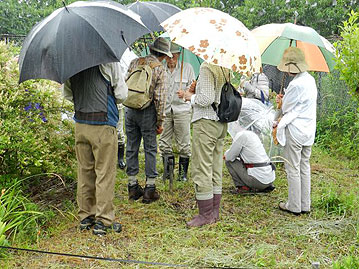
[(216, 37)]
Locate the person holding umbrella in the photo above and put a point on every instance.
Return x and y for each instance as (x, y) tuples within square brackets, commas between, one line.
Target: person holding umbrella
[(207, 142), (177, 123), (95, 92), (296, 129)]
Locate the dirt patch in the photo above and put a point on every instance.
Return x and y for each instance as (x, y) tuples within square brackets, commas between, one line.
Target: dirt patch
[(52, 191)]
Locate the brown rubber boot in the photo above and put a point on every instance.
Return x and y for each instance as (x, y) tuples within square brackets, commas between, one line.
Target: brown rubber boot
[(205, 216), (216, 204)]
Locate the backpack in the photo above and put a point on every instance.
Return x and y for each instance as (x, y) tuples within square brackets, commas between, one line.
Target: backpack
[(230, 103), (138, 83)]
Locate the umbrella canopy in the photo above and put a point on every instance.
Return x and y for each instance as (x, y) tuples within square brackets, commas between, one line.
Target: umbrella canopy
[(153, 13), (189, 57), (274, 38), (216, 37), (76, 37)]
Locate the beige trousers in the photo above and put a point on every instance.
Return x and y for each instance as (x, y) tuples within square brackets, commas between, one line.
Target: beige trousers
[(207, 157), (177, 126), (96, 152), (298, 174)]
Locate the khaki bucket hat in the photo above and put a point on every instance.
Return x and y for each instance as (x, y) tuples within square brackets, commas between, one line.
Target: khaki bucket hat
[(293, 61), (175, 48), (162, 45)]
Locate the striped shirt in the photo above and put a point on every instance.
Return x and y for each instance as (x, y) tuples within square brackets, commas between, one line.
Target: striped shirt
[(208, 91), (158, 85)]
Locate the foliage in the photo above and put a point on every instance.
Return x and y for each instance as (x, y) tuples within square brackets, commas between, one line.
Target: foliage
[(17, 214), (322, 15), (347, 52), (337, 123), (348, 262), (33, 137)]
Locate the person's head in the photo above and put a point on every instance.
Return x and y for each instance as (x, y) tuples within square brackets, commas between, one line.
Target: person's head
[(176, 51), (293, 61), (160, 48)]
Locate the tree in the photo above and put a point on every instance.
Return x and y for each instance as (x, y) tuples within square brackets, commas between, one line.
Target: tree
[(347, 52)]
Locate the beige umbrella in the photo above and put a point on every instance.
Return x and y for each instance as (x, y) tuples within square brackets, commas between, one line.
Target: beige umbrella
[(216, 37)]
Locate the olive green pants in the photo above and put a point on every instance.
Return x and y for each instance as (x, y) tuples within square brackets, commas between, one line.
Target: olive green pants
[(96, 152), (207, 157)]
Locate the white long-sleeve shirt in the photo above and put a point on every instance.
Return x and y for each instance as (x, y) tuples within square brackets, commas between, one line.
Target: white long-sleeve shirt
[(111, 72), (299, 110), (247, 147)]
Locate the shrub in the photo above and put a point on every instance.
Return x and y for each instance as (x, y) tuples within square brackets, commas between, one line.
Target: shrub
[(337, 123), (33, 137)]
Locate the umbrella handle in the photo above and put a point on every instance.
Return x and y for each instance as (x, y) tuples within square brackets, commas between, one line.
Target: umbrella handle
[(124, 40)]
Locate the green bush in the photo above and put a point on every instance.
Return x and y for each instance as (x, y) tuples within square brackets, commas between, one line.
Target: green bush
[(335, 203), (33, 137), (337, 123)]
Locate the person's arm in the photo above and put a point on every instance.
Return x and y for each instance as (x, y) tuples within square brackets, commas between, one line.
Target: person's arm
[(234, 151), (160, 94), (67, 92), (113, 73), (290, 105)]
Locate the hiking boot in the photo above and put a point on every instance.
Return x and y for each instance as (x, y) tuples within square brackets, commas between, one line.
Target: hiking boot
[(87, 223), (150, 195), (183, 169), (120, 156), (101, 229), (134, 192)]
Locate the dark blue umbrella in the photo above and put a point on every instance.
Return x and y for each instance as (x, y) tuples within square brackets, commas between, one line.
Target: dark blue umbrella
[(153, 13), (76, 37)]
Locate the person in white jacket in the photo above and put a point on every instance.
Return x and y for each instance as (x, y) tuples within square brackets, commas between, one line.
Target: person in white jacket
[(296, 129), (249, 164)]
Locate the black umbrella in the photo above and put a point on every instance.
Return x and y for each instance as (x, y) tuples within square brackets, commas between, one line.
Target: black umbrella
[(153, 13), (76, 37), (278, 80)]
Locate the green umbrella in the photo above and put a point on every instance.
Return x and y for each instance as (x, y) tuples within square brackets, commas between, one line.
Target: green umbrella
[(274, 38)]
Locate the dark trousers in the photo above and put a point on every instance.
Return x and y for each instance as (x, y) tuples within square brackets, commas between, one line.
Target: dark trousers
[(141, 124)]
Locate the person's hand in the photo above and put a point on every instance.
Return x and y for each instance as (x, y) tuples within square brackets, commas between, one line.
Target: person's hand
[(159, 129), (275, 124), (180, 94), (278, 98), (224, 157), (192, 87), (185, 95)]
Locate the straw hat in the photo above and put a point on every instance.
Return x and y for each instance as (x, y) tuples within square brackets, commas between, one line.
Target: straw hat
[(161, 45), (293, 61), (175, 48)]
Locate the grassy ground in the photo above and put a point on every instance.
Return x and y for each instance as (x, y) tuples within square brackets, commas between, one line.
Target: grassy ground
[(252, 232)]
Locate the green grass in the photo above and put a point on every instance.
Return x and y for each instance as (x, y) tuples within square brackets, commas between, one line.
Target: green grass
[(252, 232)]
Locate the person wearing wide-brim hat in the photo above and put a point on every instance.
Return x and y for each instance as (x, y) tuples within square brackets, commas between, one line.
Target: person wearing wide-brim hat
[(296, 129), (145, 123), (180, 76)]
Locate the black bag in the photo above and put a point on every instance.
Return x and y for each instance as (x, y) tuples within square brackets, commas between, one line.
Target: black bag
[(230, 105)]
